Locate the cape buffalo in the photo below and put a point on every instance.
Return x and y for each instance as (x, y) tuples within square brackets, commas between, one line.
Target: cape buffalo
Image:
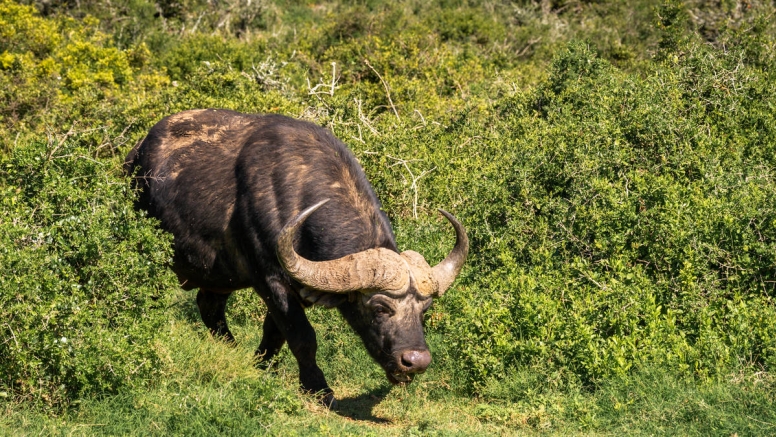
[(281, 205)]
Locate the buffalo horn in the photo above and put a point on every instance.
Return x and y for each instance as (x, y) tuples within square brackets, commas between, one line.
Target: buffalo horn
[(372, 269), (446, 271)]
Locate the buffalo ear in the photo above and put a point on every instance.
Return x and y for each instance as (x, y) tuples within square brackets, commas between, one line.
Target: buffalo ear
[(322, 298)]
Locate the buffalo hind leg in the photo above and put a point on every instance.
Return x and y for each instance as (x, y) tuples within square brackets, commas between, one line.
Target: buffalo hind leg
[(271, 342), (291, 320), (212, 308)]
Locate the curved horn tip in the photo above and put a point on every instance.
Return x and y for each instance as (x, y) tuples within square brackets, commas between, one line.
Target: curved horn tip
[(285, 238), (304, 214), (447, 215), (460, 231), (446, 271)]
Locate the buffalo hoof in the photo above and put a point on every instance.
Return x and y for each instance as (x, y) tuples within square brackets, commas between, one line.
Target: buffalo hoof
[(329, 401)]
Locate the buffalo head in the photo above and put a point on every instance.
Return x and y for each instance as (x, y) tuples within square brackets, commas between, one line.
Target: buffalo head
[(388, 293)]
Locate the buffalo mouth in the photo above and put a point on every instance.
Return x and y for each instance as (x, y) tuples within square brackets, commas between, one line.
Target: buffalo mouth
[(400, 378), (399, 373)]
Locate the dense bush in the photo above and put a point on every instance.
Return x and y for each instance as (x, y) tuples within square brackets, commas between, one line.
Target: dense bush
[(84, 275), (626, 220)]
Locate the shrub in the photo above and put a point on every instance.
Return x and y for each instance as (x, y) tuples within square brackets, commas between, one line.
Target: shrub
[(624, 221), (83, 276)]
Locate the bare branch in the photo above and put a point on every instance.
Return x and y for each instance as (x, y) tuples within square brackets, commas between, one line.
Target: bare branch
[(314, 90), (364, 119), (387, 91), (415, 179)]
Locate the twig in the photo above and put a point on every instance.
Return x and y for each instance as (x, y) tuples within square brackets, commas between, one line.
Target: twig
[(59, 144), (423, 119), (387, 91), (264, 74), (528, 46), (226, 20), (138, 367), (314, 90), (364, 119), (194, 29), (13, 335), (414, 185), (590, 278), (765, 423), (360, 136), (115, 139)]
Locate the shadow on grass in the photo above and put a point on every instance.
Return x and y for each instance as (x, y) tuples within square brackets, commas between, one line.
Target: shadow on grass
[(360, 407)]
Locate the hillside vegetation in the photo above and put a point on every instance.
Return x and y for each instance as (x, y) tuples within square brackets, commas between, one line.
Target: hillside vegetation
[(614, 166)]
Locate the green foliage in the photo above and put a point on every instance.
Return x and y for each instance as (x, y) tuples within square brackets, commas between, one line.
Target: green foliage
[(76, 72), (613, 164), (22, 30), (84, 273), (670, 19), (83, 278), (632, 225)]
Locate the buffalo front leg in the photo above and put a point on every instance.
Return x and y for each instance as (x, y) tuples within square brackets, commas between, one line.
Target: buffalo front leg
[(271, 342), (291, 320), (212, 308)]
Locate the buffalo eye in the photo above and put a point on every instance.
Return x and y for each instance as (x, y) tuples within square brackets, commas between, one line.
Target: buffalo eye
[(381, 306), (382, 311)]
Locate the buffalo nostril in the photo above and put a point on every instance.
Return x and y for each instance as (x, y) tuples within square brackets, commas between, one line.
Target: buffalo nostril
[(416, 361)]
